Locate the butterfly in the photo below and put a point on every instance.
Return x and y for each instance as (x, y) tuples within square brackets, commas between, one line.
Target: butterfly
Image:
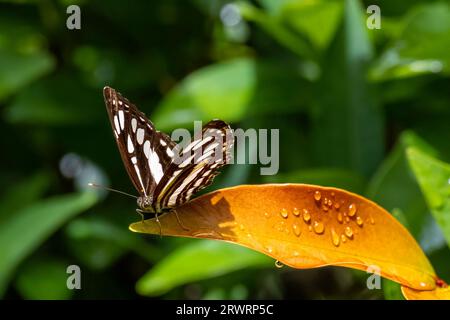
[(165, 174)]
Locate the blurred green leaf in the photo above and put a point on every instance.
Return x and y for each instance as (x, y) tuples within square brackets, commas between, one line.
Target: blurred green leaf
[(19, 69), (230, 91), (433, 177), (305, 16), (347, 120), (99, 243), (22, 194), (275, 28), (58, 100), (344, 179), (32, 225), (422, 46), (196, 261), (43, 279), (391, 290), (394, 187)]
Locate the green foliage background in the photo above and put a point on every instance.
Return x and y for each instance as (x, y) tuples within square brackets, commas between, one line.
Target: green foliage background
[(365, 110)]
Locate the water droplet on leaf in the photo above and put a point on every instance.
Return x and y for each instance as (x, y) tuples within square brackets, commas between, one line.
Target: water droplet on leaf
[(335, 238), (348, 232), (318, 227), (306, 215), (284, 213), (296, 229), (359, 221), (317, 195), (352, 210)]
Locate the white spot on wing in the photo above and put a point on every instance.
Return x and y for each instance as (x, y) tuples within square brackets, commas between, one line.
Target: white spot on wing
[(153, 162), (147, 149), (187, 161), (122, 119), (138, 174), (116, 124), (169, 152), (130, 145), (140, 135), (202, 142), (134, 124), (163, 143), (189, 179), (211, 146), (134, 160), (155, 166)]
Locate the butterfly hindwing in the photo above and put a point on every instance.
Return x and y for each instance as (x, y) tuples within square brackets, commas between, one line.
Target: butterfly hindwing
[(200, 166)]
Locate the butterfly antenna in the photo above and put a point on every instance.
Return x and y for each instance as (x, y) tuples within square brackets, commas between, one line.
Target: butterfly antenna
[(110, 189)]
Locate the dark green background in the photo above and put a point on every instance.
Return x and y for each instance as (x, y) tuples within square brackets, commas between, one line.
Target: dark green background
[(364, 110)]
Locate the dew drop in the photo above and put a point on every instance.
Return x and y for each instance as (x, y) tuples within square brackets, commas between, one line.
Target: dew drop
[(310, 228), (318, 227), (317, 195), (296, 254), (278, 264), (339, 217), (284, 213), (324, 208), (347, 219), (330, 203), (269, 249), (348, 232), (359, 221), (306, 215), (267, 215), (337, 205), (352, 210), (296, 229), (335, 238), (343, 238), (371, 220), (296, 212)]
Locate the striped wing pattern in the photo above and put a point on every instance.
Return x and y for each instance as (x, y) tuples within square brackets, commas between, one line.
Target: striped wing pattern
[(152, 159)]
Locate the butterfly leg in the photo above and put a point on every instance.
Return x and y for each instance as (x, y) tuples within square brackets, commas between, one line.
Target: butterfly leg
[(179, 221), (159, 224), (141, 213)]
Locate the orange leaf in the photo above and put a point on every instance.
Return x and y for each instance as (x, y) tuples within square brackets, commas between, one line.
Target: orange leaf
[(437, 294), (303, 226)]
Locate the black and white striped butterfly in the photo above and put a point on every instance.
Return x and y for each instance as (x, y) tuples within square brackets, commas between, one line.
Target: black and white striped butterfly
[(164, 174)]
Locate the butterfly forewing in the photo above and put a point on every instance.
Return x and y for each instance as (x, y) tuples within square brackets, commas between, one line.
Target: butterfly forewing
[(145, 152)]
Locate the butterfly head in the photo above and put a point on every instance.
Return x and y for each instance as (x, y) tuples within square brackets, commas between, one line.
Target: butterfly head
[(145, 203)]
